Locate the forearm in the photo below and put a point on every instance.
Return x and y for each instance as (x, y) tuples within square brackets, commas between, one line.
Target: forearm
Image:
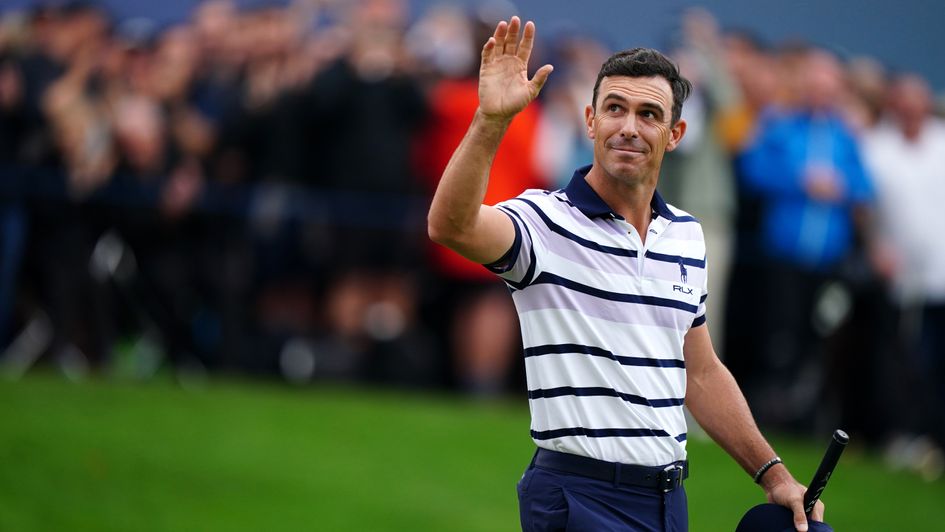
[(457, 217), (456, 204), (716, 402), (714, 399)]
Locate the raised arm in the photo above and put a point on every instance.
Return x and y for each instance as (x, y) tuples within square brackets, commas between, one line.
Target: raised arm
[(715, 401), (457, 218)]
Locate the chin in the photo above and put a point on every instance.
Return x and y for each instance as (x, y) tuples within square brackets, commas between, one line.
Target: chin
[(630, 174), (622, 170)]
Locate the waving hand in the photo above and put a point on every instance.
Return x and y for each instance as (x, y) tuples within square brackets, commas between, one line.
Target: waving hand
[(504, 87), (458, 219)]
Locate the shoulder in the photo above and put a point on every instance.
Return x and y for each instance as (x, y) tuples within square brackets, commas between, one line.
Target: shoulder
[(551, 211), (681, 216), (684, 224), (536, 199)]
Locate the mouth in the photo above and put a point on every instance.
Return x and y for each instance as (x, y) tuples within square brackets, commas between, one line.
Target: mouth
[(627, 150)]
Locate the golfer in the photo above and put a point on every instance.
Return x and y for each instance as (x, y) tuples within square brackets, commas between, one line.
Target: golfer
[(609, 283)]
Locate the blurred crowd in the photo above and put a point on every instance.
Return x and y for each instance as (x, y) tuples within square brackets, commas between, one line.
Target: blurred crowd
[(246, 191)]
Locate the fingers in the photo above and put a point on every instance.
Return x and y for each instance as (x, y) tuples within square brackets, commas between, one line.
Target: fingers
[(488, 50), (817, 514), (511, 40), (501, 33), (528, 41), (504, 41)]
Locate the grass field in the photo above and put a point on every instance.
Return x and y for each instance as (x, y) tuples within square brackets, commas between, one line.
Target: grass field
[(111, 456)]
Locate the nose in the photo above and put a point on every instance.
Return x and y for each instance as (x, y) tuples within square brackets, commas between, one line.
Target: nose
[(629, 127)]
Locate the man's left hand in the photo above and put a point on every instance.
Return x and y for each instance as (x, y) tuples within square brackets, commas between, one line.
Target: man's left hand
[(781, 488)]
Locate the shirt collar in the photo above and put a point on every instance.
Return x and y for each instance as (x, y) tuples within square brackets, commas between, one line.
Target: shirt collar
[(582, 196), (659, 206)]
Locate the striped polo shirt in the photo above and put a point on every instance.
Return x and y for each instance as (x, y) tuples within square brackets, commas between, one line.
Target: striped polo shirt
[(603, 318)]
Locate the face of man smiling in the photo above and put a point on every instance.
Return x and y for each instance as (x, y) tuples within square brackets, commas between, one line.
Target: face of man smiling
[(631, 128)]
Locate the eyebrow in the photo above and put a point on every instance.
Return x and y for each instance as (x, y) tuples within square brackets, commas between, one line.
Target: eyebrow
[(643, 105), (614, 96)]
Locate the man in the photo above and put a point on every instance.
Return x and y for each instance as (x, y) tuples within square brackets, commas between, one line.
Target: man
[(906, 157), (608, 282), (806, 170)]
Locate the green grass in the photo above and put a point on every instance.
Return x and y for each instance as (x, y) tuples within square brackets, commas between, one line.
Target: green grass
[(235, 456)]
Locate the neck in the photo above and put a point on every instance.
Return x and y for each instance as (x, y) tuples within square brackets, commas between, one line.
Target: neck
[(630, 200)]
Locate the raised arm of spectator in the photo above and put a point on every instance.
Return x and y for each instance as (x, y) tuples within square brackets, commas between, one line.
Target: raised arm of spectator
[(457, 218)]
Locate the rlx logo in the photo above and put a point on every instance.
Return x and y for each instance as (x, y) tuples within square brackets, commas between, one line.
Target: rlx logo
[(682, 289)]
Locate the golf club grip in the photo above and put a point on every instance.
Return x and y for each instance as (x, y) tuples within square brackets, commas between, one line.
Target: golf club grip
[(837, 444)]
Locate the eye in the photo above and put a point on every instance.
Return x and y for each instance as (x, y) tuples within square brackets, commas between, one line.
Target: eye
[(613, 108), (648, 114)]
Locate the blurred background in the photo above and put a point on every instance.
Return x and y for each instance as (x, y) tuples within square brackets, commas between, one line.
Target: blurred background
[(200, 193)]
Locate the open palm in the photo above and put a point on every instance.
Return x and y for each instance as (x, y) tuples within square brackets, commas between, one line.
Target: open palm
[(504, 87)]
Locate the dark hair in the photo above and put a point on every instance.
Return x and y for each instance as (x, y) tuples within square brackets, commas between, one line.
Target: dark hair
[(645, 63)]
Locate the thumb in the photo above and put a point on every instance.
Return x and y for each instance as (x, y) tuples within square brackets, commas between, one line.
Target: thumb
[(540, 77)]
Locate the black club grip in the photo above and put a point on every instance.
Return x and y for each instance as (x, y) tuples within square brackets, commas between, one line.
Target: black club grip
[(837, 444)]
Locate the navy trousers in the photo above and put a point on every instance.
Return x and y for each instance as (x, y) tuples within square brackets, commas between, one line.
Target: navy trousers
[(554, 501)]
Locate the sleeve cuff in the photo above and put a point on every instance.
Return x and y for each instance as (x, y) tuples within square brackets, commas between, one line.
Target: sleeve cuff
[(700, 320), (507, 260)]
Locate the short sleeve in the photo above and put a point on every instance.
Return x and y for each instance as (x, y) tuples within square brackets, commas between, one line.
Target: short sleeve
[(519, 265), (700, 318)]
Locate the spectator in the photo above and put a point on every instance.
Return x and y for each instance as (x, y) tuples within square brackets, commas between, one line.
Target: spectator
[(906, 154), (806, 166), (369, 107), (67, 130)]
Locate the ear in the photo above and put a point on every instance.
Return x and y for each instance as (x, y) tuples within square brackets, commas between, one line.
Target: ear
[(676, 134), (589, 121)]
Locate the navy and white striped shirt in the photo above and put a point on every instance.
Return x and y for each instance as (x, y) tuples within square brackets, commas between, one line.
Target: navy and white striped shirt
[(603, 319)]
